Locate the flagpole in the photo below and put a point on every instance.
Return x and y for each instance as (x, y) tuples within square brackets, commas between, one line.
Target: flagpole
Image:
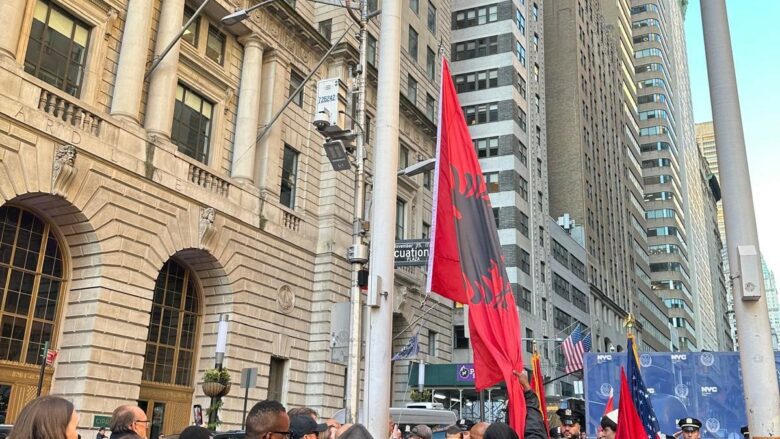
[(378, 369), (44, 355)]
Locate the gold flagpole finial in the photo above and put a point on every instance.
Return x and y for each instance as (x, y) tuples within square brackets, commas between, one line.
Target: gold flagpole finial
[(629, 321)]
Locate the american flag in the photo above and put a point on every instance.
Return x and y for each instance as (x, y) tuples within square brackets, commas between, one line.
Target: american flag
[(51, 356), (639, 393), (574, 347)]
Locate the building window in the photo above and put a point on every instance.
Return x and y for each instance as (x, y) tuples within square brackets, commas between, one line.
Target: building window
[(326, 28), (430, 106), (522, 225), (192, 120), (430, 64), (523, 152), (536, 72), (411, 89), (537, 101), (427, 180), (412, 43), (520, 21), (215, 45), (371, 50), (475, 17), (426, 228), (544, 311), (31, 282), (414, 5), (289, 177), (403, 156), (541, 236), (529, 342), (524, 188), (432, 342), (476, 48), (524, 301), (295, 81), (173, 327), (521, 85), (522, 119), (476, 80), (400, 219), (491, 181), (535, 12), (372, 5), (367, 128), (525, 262), (542, 271), (483, 113), (431, 18), (191, 34), (496, 216), (57, 48), (536, 42), (487, 147), (461, 342), (276, 379), (520, 52)]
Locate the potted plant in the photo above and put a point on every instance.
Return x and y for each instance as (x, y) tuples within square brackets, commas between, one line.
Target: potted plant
[(216, 382)]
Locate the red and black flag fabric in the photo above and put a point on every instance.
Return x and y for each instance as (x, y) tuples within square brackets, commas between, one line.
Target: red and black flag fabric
[(466, 264)]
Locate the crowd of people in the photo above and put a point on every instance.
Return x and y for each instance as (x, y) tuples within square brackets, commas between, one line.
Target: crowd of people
[(53, 417)]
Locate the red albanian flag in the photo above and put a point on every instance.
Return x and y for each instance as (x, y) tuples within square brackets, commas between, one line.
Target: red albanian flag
[(466, 264)]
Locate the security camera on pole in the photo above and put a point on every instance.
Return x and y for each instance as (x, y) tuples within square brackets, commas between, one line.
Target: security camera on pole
[(338, 146)]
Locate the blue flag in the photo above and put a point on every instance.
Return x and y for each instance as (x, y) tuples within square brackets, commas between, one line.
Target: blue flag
[(409, 351), (639, 393)]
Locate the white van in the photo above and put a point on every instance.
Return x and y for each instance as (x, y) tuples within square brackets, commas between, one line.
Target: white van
[(437, 419)]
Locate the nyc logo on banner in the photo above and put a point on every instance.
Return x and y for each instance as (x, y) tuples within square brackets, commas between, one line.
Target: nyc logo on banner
[(702, 385)]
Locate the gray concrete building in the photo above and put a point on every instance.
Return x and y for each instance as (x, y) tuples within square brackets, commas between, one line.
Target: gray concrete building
[(589, 123), (134, 212)]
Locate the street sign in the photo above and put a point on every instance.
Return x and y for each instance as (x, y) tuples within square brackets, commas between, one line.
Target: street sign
[(248, 377), (328, 98), (100, 421), (411, 252)]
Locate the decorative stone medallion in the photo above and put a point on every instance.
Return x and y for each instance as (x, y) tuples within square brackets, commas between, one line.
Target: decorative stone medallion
[(285, 300)]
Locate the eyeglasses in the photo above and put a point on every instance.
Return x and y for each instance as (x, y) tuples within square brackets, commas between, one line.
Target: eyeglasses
[(147, 422), (286, 434)]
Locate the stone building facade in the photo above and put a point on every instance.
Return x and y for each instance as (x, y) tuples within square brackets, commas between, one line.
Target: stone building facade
[(135, 211)]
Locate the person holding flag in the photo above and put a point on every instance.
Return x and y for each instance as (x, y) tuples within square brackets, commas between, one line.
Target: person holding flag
[(536, 413), (466, 264)]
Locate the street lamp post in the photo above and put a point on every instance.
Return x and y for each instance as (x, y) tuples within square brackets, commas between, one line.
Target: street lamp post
[(219, 357)]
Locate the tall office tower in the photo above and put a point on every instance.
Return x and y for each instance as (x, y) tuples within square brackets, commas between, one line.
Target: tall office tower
[(586, 145), (705, 139), (666, 140), (650, 310), (498, 67), (772, 303), (138, 211)]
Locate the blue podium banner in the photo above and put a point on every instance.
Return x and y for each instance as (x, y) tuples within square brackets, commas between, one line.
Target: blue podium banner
[(702, 385)]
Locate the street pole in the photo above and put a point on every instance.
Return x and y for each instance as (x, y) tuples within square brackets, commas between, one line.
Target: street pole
[(358, 253), (750, 308), (43, 367), (378, 367)]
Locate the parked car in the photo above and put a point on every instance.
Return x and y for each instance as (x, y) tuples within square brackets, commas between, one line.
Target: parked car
[(5, 429)]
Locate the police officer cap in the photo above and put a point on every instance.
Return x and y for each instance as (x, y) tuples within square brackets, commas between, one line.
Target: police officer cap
[(690, 423), (745, 431), (570, 416)]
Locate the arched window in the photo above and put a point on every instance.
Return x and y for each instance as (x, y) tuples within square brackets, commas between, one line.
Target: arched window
[(31, 281), (173, 327)]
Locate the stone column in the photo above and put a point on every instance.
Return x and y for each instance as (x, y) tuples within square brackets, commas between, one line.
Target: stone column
[(248, 110), (162, 83), (271, 92), (12, 12), (129, 84)]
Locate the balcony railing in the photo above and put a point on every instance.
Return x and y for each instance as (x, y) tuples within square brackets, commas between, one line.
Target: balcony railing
[(64, 109), (207, 180)]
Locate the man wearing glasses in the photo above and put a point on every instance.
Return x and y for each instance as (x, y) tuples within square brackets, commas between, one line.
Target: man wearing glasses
[(129, 422), (267, 420)]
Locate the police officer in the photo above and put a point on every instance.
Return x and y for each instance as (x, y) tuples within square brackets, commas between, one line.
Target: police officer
[(571, 423), (690, 428)]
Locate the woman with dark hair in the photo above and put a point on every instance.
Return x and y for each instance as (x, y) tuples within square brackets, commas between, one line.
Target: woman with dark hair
[(47, 417), (499, 430)]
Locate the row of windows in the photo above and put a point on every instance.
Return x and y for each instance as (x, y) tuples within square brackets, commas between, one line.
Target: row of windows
[(645, 23), (656, 163), (414, 5), (476, 80), (657, 146), (647, 7), (482, 113), (660, 213), (658, 179), (647, 38), (653, 114), (476, 48), (670, 285), (678, 304), (666, 249), (475, 16), (652, 51)]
